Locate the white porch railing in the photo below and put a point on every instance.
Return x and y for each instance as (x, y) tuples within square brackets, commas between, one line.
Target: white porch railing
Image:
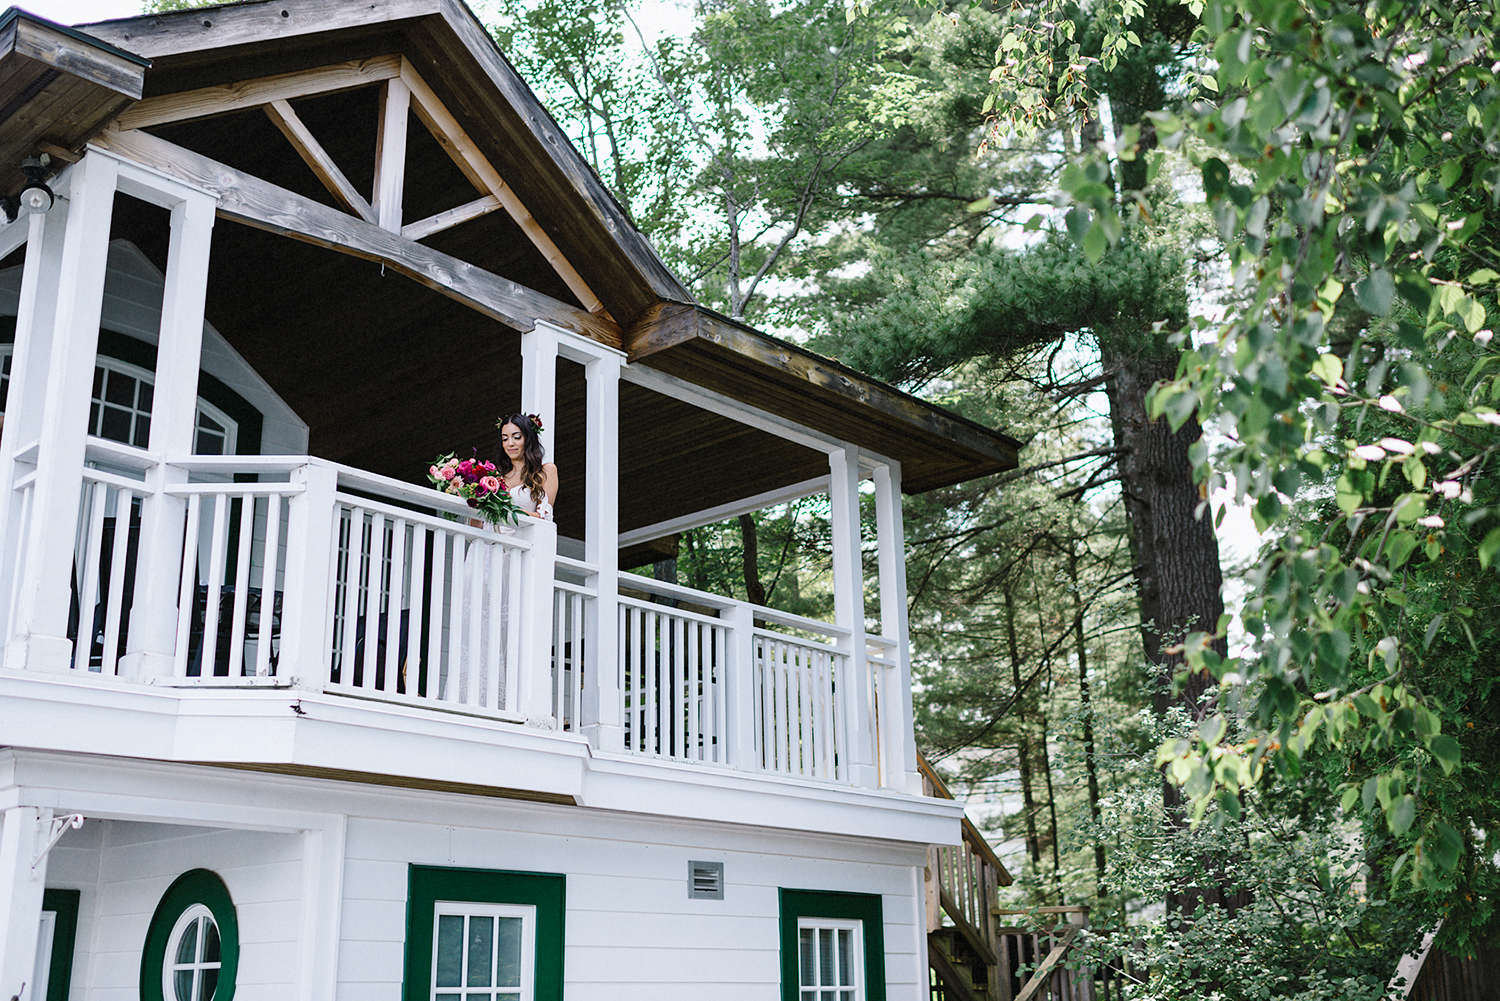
[(299, 572)]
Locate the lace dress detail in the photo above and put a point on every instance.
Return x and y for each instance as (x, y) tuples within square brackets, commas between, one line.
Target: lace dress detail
[(484, 643)]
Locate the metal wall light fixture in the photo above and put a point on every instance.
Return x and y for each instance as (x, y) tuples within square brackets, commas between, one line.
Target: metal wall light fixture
[(35, 196)]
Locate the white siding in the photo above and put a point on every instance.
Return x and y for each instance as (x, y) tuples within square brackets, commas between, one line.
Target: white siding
[(123, 868), (632, 932)]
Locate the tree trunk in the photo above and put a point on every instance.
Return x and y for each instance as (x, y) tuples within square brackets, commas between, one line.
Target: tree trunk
[(1086, 710), (755, 592), (1023, 738), (1177, 573)]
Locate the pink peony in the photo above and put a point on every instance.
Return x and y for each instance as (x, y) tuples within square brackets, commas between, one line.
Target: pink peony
[(446, 472), (491, 483)]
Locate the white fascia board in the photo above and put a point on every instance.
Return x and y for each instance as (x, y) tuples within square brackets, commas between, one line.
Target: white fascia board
[(115, 788), (723, 795), (259, 726), (796, 491), (104, 717)]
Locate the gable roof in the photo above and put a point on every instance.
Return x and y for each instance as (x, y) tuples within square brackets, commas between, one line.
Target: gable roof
[(639, 305)]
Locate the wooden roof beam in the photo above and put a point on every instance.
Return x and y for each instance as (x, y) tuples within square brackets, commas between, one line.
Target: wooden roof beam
[(390, 154), (222, 99), (313, 154), (255, 202), (467, 157), (452, 217)]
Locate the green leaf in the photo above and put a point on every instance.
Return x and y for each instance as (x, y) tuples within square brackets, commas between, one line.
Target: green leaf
[(1489, 547), (1402, 814), (1094, 243), (1446, 750), (1376, 291)]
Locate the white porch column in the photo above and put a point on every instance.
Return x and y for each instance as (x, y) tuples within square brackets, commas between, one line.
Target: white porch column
[(539, 380), (20, 895), (849, 612), (898, 738), (601, 711), (153, 627), (38, 639), (28, 381)]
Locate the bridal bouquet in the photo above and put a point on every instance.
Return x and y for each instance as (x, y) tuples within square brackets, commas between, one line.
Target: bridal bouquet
[(477, 482)]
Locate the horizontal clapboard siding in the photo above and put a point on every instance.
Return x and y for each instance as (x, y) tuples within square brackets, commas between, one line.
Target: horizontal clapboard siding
[(123, 868), (631, 929)]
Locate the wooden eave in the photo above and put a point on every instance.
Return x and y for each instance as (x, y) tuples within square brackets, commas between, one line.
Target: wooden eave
[(58, 88), (452, 51), (936, 448)]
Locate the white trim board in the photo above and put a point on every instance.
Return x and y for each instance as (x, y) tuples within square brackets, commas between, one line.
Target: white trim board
[(796, 491)]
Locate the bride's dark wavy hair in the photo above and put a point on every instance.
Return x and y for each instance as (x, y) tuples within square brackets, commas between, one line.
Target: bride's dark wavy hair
[(533, 453)]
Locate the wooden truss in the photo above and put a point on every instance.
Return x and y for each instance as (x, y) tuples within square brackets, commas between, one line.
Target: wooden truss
[(401, 89)]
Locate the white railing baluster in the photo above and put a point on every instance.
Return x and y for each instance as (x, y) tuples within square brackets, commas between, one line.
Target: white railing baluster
[(113, 613), (270, 565), (189, 590), (499, 658), (395, 600), (241, 586), (416, 624), (438, 577), (373, 567), (217, 546), (93, 531)]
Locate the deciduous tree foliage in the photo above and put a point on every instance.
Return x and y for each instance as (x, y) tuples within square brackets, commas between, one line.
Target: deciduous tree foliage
[(1348, 152)]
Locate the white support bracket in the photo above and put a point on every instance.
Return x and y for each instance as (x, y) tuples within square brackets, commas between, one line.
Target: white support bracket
[(56, 828)]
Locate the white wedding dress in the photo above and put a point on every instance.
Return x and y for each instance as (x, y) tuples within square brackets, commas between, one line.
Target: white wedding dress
[(484, 637)]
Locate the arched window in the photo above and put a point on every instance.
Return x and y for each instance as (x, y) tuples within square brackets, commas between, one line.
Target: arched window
[(192, 945), (194, 957)]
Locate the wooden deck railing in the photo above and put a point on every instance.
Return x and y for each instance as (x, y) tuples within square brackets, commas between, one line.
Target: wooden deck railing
[(292, 571)]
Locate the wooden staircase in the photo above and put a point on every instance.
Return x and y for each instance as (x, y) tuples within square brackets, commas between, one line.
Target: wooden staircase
[(977, 951)]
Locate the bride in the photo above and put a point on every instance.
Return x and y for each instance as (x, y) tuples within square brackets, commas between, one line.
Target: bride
[(532, 484), (531, 480)]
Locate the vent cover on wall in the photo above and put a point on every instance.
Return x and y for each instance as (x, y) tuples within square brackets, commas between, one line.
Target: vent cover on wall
[(705, 880)]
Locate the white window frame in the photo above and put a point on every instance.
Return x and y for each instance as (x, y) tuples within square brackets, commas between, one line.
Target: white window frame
[(856, 971), (204, 408), (170, 967), (471, 909)]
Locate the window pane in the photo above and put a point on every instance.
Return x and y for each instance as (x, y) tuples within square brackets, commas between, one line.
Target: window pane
[(98, 383), (187, 948), (144, 397), (449, 997), (825, 958), (182, 985), (807, 949), (846, 959), (209, 984), (211, 943), (142, 431), (209, 443), (481, 948), (450, 944), (115, 425), (509, 953), (119, 389)]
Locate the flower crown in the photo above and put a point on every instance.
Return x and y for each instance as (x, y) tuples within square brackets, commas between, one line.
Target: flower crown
[(535, 419)]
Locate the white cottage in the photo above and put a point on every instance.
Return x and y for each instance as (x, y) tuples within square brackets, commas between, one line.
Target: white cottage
[(279, 255)]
